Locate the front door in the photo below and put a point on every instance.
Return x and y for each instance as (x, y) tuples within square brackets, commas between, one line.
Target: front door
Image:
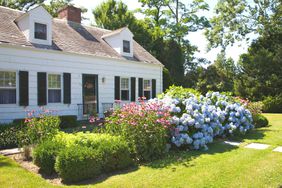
[(90, 94)]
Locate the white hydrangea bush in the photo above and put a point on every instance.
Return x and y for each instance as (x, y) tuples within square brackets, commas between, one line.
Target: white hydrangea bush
[(197, 120)]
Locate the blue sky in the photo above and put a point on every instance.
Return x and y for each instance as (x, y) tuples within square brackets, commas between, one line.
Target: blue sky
[(196, 38)]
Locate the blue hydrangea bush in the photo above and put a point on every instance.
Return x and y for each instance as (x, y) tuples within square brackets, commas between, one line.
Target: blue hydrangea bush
[(198, 120)]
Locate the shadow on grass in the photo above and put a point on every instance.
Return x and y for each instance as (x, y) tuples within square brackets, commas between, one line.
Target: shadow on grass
[(103, 177), (255, 134), (5, 162), (184, 157)]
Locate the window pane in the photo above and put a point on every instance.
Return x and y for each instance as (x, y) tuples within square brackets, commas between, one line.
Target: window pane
[(147, 85), (147, 94), (54, 96), (8, 79), (125, 95), (124, 83), (54, 81), (126, 46), (40, 31), (7, 96)]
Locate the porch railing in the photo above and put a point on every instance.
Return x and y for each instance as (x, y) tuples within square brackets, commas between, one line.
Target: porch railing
[(89, 109)]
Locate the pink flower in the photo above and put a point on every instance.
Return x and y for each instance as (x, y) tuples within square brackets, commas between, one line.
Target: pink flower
[(83, 126), (91, 119), (27, 120)]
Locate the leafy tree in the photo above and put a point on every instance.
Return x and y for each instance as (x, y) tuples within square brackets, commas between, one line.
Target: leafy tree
[(174, 19), (235, 19), (173, 60), (55, 5), (20, 4), (261, 68), (112, 14), (167, 80)]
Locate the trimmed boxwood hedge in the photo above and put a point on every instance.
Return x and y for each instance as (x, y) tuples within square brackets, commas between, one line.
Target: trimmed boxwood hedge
[(115, 150), (77, 163), (44, 155), (83, 155)]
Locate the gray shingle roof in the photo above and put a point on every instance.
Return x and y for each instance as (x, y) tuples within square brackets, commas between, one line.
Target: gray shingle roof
[(68, 37)]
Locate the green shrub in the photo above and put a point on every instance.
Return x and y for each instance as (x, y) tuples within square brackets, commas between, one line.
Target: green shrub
[(115, 150), (255, 107), (144, 126), (272, 104), (39, 126), (9, 135), (19, 121), (102, 151), (68, 121), (45, 153), (260, 121), (179, 92), (78, 163)]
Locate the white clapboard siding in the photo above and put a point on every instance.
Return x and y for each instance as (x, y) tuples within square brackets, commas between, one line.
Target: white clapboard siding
[(35, 60)]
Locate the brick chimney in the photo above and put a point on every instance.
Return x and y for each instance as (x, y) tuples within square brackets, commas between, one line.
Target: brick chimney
[(70, 13)]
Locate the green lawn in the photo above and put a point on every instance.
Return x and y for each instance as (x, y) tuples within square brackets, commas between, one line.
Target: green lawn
[(221, 166)]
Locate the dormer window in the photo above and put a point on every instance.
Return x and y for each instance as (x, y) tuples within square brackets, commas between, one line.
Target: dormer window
[(126, 46), (40, 31), (121, 40)]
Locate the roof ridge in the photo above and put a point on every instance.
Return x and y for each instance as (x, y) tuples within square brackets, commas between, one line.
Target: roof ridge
[(84, 25)]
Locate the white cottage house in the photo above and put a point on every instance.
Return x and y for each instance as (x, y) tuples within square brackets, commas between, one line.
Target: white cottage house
[(65, 66)]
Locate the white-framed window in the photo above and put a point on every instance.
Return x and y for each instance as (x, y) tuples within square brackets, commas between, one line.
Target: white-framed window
[(124, 89), (54, 88), (126, 46), (40, 31), (8, 91), (147, 89)]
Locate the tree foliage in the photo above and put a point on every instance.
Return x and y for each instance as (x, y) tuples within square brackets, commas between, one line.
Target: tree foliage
[(20, 4), (261, 68), (235, 19)]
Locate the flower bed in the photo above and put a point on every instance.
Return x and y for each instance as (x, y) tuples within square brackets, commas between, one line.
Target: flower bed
[(145, 126), (197, 120), (186, 120)]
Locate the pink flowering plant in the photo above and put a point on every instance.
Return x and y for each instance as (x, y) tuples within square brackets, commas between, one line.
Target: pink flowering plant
[(144, 125), (39, 125)]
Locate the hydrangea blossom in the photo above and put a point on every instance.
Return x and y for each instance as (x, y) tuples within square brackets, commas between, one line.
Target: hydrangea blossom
[(197, 120)]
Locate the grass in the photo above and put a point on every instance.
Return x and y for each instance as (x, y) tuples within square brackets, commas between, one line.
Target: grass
[(268, 135), (221, 166)]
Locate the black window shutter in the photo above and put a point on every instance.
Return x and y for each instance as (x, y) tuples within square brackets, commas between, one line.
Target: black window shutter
[(67, 88), (133, 88), (117, 88), (41, 88), (140, 87), (154, 88), (23, 88)]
